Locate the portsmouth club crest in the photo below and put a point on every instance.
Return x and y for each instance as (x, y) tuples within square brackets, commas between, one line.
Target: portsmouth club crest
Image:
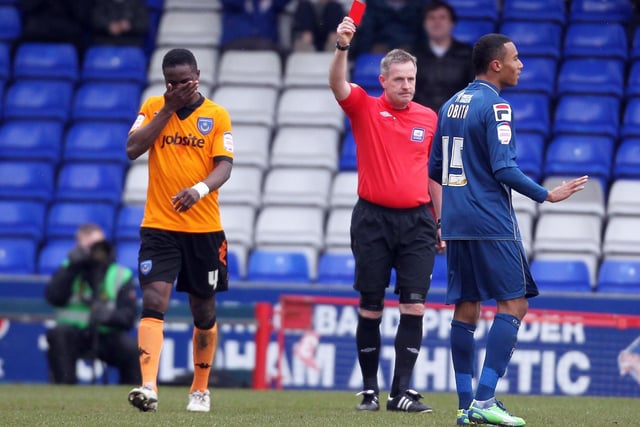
[(205, 124)]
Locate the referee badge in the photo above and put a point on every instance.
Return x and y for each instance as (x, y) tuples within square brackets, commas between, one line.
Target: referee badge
[(417, 134), (205, 124)]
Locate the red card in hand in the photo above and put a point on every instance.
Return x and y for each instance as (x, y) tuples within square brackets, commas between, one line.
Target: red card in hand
[(356, 11)]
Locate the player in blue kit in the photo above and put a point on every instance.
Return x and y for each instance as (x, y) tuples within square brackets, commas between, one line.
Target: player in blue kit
[(473, 164)]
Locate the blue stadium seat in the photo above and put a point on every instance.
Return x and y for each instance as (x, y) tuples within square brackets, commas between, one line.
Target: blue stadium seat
[(626, 163), (538, 75), (534, 10), (600, 11), (26, 180), (633, 80), (439, 276), (64, 218), (561, 275), (591, 76), (336, 268), (10, 23), (470, 30), (31, 140), (97, 141), (52, 254), (99, 182), (106, 101), (476, 9), (46, 61), (366, 70), (596, 40), (631, 119), (21, 218), (635, 45), (530, 112), (534, 38), (127, 254), (580, 155), (17, 256), (348, 153), (278, 266), (5, 62), (587, 115), (128, 222), (233, 266), (619, 276), (39, 99), (530, 149), (115, 63)]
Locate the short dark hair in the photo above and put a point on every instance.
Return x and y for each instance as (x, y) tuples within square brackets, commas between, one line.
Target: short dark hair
[(179, 56), (486, 49), (437, 4)]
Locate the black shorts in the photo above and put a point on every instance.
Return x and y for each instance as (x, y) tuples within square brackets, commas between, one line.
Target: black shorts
[(197, 260), (385, 238)]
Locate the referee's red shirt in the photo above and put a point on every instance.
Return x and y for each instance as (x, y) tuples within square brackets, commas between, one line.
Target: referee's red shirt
[(393, 149)]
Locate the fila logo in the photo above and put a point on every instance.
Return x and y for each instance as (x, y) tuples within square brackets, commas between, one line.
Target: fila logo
[(502, 112)]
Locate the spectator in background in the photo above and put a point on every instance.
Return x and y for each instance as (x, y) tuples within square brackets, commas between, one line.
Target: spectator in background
[(120, 22), (314, 25), (96, 308), (444, 62), (251, 24), (389, 24), (62, 21)]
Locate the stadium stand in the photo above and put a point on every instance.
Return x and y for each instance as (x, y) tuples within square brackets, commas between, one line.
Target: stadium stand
[(575, 110), (534, 10), (250, 68), (561, 275), (46, 60), (32, 139), (309, 146), (17, 255)]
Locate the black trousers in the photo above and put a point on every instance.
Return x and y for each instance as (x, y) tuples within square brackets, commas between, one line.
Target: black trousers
[(67, 344)]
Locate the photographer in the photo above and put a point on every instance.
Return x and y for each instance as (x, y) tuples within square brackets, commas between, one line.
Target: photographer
[(96, 308)]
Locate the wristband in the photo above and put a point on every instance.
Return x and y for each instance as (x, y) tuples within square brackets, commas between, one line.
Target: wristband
[(342, 48), (201, 188), (438, 223)]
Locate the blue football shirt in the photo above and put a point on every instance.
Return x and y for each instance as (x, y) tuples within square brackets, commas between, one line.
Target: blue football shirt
[(474, 139)]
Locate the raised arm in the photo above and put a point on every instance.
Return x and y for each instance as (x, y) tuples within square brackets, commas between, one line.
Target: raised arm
[(338, 69)]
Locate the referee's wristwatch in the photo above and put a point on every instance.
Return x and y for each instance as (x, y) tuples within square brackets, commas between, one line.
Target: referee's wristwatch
[(342, 48)]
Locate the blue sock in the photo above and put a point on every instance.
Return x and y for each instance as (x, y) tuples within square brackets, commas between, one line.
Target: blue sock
[(501, 342), (462, 355)]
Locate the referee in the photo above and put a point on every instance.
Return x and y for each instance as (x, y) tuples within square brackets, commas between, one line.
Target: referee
[(392, 225)]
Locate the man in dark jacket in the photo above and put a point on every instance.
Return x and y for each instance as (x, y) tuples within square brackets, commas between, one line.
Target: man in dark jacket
[(96, 308), (444, 63)]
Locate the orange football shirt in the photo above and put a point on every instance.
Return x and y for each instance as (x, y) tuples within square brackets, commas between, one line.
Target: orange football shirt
[(181, 156)]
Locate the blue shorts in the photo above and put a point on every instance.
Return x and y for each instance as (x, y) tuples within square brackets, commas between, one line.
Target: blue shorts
[(480, 270)]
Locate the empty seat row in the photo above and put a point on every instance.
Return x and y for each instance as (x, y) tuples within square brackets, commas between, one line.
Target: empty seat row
[(47, 140), (60, 61), (39, 181), (60, 101)]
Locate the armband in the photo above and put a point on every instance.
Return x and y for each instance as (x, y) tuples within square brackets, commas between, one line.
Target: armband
[(201, 188)]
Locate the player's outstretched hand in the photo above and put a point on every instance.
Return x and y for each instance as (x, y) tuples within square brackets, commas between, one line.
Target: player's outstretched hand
[(566, 189)]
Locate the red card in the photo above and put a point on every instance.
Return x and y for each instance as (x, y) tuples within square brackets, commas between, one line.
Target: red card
[(356, 11)]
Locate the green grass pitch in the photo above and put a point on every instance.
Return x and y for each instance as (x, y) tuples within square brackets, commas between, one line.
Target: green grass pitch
[(47, 405)]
